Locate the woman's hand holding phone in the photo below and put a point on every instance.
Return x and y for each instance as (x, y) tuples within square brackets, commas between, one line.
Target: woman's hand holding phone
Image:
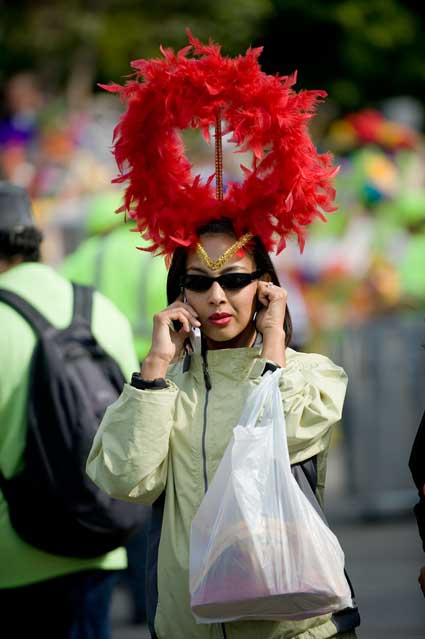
[(269, 321), (167, 343)]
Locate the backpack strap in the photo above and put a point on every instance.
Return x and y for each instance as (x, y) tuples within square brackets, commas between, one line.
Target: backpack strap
[(83, 302), (38, 322)]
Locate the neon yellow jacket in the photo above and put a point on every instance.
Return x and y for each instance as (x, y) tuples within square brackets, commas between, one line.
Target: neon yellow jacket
[(164, 446)]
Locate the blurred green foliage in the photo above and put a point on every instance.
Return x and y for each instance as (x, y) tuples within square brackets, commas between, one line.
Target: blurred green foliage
[(103, 36), (358, 50)]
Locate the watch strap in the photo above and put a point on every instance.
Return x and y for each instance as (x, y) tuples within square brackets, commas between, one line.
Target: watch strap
[(143, 384)]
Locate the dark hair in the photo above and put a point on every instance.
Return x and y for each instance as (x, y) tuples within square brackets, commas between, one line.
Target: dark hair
[(23, 242), (259, 253)]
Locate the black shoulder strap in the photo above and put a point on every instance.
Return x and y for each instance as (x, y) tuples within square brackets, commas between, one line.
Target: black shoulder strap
[(305, 474), (83, 302), (38, 322)]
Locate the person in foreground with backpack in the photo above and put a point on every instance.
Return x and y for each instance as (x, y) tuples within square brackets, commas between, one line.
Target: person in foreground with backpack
[(61, 545), (225, 327), (139, 292)]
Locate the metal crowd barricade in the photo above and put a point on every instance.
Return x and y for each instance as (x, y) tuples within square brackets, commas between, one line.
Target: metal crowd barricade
[(385, 363)]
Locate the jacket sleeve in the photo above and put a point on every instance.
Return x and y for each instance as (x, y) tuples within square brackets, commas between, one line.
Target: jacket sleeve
[(129, 455), (313, 391)]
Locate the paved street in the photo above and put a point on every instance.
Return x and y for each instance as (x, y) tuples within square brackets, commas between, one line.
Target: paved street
[(121, 629), (383, 562), (382, 558)]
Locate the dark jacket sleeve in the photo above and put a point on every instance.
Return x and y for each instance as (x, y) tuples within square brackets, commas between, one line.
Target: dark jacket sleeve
[(417, 468)]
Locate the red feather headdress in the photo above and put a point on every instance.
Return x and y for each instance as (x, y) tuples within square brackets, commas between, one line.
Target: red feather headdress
[(289, 184)]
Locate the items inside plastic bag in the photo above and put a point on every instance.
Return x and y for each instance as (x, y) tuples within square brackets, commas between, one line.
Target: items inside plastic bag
[(258, 548)]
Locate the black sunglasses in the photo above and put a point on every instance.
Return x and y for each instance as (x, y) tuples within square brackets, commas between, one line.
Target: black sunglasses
[(228, 281)]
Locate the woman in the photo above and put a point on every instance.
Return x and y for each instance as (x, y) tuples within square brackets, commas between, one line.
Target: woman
[(226, 323), (162, 441)]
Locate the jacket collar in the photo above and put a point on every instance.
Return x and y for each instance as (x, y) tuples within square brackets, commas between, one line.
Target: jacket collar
[(234, 363)]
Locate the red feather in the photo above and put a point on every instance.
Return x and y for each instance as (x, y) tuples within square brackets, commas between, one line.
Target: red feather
[(287, 188)]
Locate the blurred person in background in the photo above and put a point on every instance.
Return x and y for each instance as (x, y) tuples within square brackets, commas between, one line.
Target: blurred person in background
[(137, 287), (19, 128), (23, 100), (57, 596)]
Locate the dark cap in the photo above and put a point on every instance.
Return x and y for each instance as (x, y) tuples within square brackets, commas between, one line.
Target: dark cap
[(15, 207)]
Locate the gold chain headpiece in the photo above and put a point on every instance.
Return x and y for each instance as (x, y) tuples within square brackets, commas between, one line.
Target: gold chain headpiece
[(214, 265)]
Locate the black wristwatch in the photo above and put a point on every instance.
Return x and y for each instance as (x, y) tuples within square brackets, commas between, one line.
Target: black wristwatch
[(143, 384)]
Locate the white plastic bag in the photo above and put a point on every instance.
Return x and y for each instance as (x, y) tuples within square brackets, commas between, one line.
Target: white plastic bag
[(258, 548)]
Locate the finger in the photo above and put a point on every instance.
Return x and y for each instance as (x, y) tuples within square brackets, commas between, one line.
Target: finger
[(190, 316), (185, 305), (271, 289), (190, 308), (261, 293), (175, 313), (187, 320), (268, 292), (186, 327)]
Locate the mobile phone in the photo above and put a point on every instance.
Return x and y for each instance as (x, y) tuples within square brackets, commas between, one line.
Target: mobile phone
[(176, 324), (258, 305)]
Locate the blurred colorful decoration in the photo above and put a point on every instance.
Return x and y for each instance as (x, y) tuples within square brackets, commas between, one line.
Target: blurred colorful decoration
[(370, 127), (367, 177), (55, 152), (369, 258)]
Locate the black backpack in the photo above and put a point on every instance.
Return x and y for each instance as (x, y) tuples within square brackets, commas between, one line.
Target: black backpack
[(53, 504)]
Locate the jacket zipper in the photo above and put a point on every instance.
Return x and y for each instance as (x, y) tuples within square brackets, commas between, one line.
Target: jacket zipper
[(208, 386), (207, 381)]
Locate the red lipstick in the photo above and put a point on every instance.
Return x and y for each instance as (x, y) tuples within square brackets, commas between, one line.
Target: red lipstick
[(220, 319)]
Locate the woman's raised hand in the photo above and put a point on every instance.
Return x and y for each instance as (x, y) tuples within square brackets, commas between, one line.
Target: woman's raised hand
[(273, 299), (269, 321), (167, 343)]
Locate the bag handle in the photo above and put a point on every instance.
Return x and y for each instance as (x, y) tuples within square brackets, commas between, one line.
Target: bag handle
[(267, 394), (258, 397)]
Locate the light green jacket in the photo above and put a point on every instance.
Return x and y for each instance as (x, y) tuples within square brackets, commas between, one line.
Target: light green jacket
[(51, 294), (173, 440)]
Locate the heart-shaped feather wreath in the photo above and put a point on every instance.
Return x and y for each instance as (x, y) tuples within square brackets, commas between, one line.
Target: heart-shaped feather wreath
[(289, 184)]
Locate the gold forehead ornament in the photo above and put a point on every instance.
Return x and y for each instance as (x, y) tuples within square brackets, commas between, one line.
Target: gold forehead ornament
[(214, 265)]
